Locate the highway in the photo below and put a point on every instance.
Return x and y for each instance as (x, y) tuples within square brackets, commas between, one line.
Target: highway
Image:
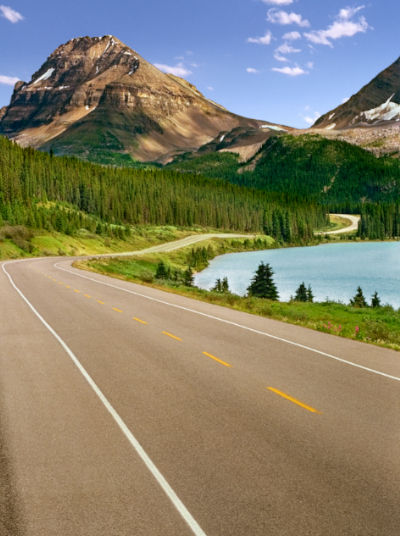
[(125, 410)]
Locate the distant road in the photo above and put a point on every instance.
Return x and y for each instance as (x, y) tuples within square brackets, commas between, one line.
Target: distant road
[(353, 227), (176, 244), (126, 410)]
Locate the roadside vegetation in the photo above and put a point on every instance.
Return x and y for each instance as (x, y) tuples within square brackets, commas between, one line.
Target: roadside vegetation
[(173, 272)]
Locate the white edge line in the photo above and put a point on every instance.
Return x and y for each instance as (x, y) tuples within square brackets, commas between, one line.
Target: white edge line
[(264, 333), (178, 504)]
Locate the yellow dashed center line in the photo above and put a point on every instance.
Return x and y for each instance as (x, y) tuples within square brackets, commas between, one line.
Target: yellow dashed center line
[(100, 302), (67, 286), (293, 400), (217, 359), (117, 310), (140, 321), (172, 336), (87, 296), (77, 291)]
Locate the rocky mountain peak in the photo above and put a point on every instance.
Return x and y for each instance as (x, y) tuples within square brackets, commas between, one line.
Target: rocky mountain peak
[(376, 104), (97, 89)]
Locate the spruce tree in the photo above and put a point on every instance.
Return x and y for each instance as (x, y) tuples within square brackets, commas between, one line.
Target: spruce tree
[(262, 284), (218, 286), (225, 285), (188, 277), (310, 295), (301, 293), (161, 272), (359, 300), (376, 301)]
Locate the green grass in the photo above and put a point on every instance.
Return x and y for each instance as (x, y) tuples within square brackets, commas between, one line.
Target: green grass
[(379, 326), (40, 243)]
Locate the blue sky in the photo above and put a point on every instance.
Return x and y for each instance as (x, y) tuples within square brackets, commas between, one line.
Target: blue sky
[(279, 60)]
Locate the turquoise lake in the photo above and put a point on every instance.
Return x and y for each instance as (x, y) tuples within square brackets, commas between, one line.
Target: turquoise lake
[(334, 271)]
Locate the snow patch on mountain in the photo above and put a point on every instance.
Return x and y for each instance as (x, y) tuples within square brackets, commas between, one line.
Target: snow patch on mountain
[(274, 127), (45, 76), (385, 112)]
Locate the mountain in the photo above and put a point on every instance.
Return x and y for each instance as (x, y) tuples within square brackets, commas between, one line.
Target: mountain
[(96, 98), (376, 104)]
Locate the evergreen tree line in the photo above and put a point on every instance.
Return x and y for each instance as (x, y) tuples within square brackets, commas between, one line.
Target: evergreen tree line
[(263, 286), (380, 221), (128, 196)]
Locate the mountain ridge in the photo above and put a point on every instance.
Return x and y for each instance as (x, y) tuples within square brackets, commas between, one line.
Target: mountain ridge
[(100, 86)]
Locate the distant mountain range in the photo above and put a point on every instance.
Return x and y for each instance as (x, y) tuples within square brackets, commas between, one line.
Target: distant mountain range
[(96, 98)]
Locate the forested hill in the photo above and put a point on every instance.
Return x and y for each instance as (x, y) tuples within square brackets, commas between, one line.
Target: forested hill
[(29, 180), (332, 172)]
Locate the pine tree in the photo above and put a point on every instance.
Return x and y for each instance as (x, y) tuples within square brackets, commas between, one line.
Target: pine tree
[(218, 286), (310, 295), (188, 277), (301, 293), (262, 284), (161, 272), (225, 285), (376, 301), (359, 300)]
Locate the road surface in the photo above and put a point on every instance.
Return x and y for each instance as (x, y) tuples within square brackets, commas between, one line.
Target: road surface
[(349, 229), (125, 410)]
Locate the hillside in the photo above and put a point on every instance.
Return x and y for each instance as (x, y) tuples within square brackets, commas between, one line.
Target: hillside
[(98, 198), (332, 172)]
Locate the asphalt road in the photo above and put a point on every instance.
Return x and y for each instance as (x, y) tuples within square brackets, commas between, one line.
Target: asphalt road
[(125, 410)]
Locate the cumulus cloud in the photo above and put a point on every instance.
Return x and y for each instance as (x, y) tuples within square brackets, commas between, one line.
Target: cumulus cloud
[(290, 71), (251, 70), (265, 40), (284, 18), (342, 26), (279, 57), (8, 80), (10, 14), (291, 36), (177, 70), (286, 48)]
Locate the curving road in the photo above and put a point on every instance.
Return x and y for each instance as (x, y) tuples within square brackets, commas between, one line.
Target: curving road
[(125, 410), (354, 221)]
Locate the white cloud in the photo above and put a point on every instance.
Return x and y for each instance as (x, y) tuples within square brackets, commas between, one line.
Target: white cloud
[(348, 13), (10, 14), (284, 18), (290, 71), (177, 70), (279, 57), (310, 119), (345, 99), (278, 2), (291, 36), (342, 26), (210, 88), (251, 70), (310, 65), (285, 48), (8, 80), (265, 40)]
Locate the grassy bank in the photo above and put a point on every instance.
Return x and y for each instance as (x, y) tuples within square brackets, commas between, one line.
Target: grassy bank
[(19, 241), (378, 326)]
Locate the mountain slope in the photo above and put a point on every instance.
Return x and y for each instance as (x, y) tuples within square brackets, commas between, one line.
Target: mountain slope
[(96, 96), (377, 103), (307, 166)]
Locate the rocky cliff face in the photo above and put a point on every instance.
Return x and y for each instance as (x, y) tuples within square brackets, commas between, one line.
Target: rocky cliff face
[(376, 104), (96, 94)]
